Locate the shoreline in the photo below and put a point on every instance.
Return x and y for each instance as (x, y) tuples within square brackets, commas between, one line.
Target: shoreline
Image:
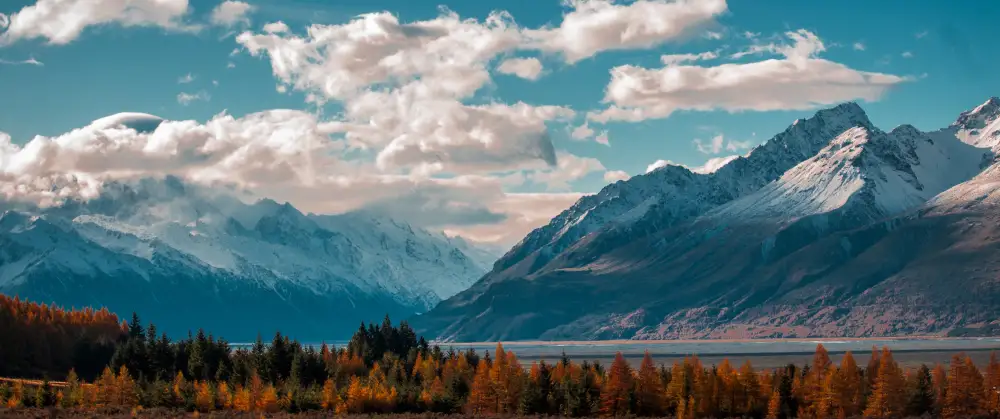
[(689, 341)]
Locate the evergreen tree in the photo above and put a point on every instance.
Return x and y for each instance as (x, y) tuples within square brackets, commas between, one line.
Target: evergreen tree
[(922, 395)]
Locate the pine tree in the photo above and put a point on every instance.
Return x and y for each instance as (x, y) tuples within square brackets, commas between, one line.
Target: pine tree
[(649, 390), (481, 391), (269, 400), (816, 399), (964, 395), (847, 388), (939, 381), (774, 405), (330, 397), (223, 397), (888, 399), (204, 400), (616, 394), (922, 393), (991, 386)]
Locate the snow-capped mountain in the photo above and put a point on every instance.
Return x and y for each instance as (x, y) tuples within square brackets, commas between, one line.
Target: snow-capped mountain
[(757, 248), (173, 240), (673, 193)]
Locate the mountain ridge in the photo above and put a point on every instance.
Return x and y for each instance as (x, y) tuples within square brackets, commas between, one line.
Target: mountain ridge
[(670, 279), (145, 235)]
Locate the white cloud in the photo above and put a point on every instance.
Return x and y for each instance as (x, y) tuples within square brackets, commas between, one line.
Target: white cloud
[(859, 46), (525, 211), (4, 21), (582, 132), (658, 164), (403, 88), (525, 68), (739, 145), (602, 138), (275, 27), (907, 54), (29, 61), (714, 164), (186, 98), (719, 143), (230, 65), (187, 78), (615, 175), (230, 13), (472, 139), (215, 83), (593, 26), (62, 21), (568, 169), (286, 155), (797, 80), (921, 34), (673, 59), (710, 166), (713, 146)]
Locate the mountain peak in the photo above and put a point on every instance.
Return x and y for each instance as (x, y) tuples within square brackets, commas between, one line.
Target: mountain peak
[(847, 110), (979, 116)]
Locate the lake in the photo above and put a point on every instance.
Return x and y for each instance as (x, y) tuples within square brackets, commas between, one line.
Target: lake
[(763, 353)]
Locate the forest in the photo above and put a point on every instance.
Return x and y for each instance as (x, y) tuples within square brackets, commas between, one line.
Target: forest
[(101, 362)]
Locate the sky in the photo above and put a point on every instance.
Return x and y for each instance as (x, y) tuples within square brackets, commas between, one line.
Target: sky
[(481, 119)]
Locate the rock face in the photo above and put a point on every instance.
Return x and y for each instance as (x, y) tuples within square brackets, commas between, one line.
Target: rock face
[(182, 256), (831, 228)]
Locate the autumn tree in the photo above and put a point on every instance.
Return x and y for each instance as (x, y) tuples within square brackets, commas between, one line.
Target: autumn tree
[(649, 393), (616, 394), (481, 393), (888, 399), (964, 395), (991, 386)]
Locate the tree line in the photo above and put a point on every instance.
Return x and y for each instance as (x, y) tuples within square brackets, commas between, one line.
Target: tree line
[(387, 368)]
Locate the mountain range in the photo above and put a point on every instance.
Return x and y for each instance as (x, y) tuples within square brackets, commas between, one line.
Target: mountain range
[(183, 255), (833, 227)]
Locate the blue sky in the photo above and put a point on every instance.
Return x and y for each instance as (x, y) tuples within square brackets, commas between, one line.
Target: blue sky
[(933, 60)]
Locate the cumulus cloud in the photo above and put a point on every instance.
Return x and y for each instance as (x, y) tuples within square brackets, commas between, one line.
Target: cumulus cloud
[(276, 27), (568, 169), (187, 78), (62, 21), (404, 86), (231, 13), (286, 155), (525, 68), (859, 46), (615, 175), (582, 132), (525, 212), (714, 164), (592, 26), (468, 139), (719, 143), (797, 80), (186, 98), (602, 138), (710, 166), (658, 164), (907, 54)]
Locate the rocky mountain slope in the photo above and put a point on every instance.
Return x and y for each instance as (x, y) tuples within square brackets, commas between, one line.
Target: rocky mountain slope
[(183, 255), (827, 229)]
